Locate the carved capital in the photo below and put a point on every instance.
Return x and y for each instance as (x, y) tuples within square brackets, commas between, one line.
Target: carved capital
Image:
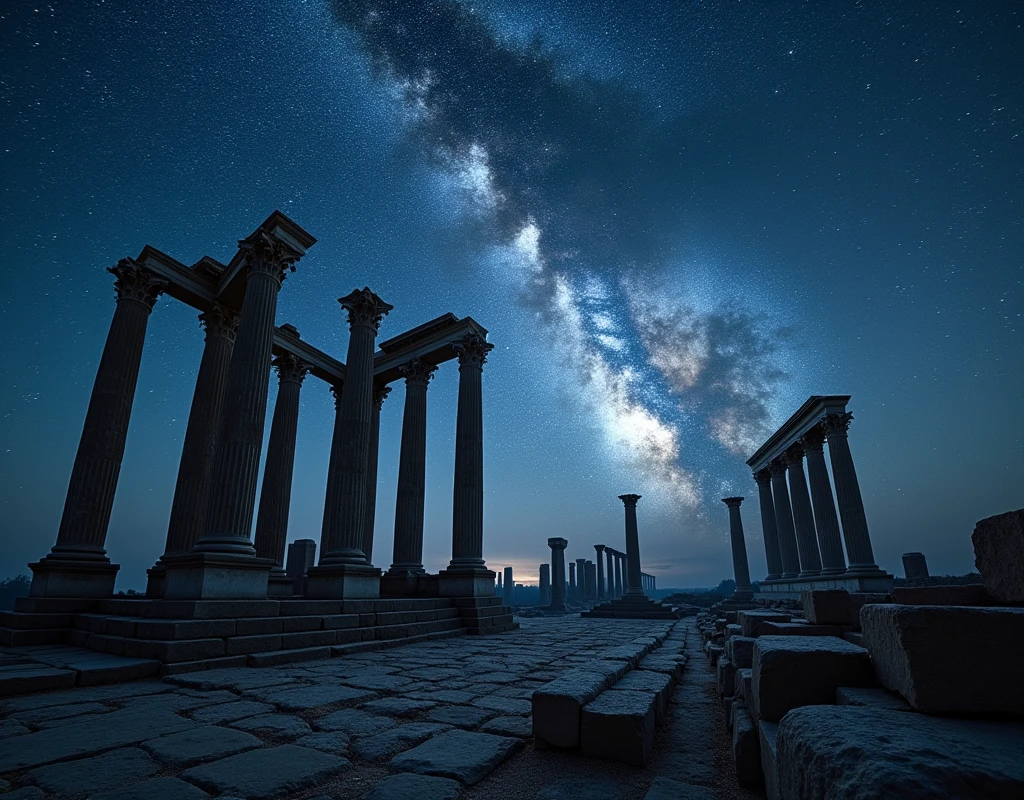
[(813, 440), (763, 477), (472, 350), (558, 544), (778, 467), (417, 372), (794, 455), (629, 499), (380, 394), (364, 308), (836, 425), (336, 390), (599, 548), (219, 323), (135, 282), (267, 255), (290, 368), (732, 502)]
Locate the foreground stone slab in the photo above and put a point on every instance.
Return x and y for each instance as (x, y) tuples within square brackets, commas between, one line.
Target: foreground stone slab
[(203, 744), (641, 680), (949, 659), (859, 753), (87, 775), (668, 789), (467, 757), (267, 773), (619, 726), (740, 651), (419, 787), (557, 707), (999, 555), (769, 736), (793, 671), (392, 741), (580, 789), (749, 621), (154, 789), (746, 748)]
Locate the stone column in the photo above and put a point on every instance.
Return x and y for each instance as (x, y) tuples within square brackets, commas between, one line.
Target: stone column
[(654, 583), (769, 530), (634, 589), (188, 509), (803, 517), (581, 579), (784, 520), (573, 585), (380, 394), (600, 571), (77, 565), (510, 587), (825, 520), (557, 546), (610, 565), (618, 574), (344, 571), (591, 582), (743, 591), (276, 497), (301, 556), (412, 472), (851, 506), (544, 586), (467, 575)]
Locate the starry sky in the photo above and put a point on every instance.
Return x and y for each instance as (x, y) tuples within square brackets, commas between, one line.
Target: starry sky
[(676, 219)]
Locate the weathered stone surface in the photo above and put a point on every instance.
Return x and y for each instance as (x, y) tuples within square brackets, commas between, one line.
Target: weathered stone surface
[(741, 685), (971, 594), (395, 739), (201, 744), (154, 789), (387, 682), (461, 716), (508, 705), (267, 773), (229, 712), (725, 674), (668, 789), (328, 741), (746, 748), (793, 671), (354, 722), (640, 680), (25, 793), (557, 707), (87, 775), (277, 724), (860, 753), (619, 726), (749, 621), (465, 756), (949, 659), (827, 607), (407, 786), (580, 789), (878, 699), (399, 706), (740, 650), (509, 726), (999, 555), (769, 735), (299, 698), (11, 727), (40, 715), (798, 629)]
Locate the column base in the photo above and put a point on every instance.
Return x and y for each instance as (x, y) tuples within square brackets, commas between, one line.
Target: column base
[(343, 582), (279, 584), (53, 577), (405, 584), (156, 578), (216, 576), (465, 582)]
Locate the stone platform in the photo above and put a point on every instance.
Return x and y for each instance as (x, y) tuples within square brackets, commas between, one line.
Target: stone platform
[(791, 588), (633, 608)]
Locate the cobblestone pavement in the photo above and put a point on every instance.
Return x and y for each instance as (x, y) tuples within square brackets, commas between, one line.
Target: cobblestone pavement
[(351, 727)]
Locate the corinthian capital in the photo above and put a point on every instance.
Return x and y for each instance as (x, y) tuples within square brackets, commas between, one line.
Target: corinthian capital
[(267, 255), (836, 424), (629, 499), (417, 372), (135, 282), (813, 440), (220, 322), (777, 467), (732, 502), (762, 477), (472, 350), (364, 308), (290, 368), (380, 394), (794, 455)]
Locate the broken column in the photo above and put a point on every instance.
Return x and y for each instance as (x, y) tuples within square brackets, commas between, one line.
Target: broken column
[(914, 566)]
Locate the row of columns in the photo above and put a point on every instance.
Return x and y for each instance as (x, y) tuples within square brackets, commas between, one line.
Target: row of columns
[(648, 582), (801, 527)]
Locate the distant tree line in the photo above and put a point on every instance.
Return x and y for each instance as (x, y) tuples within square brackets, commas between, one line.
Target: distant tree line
[(11, 589)]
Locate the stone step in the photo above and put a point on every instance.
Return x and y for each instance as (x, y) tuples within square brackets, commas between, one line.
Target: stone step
[(35, 621), (16, 637)]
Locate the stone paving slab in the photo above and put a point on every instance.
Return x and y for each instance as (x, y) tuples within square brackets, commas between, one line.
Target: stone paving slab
[(260, 774), (276, 724), (467, 757), (202, 744), (154, 789), (87, 775), (407, 786), (395, 740)]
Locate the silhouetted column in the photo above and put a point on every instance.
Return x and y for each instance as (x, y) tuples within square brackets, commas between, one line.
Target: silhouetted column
[(803, 517), (591, 582), (618, 574), (743, 592), (510, 587), (851, 506), (573, 585), (544, 585), (276, 497), (412, 472), (633, 586), (769, 528), (77, 565), (599, 560), (610, 564), (784, 520), (557, 546), (581, 579), (380, 394), (825, 520)]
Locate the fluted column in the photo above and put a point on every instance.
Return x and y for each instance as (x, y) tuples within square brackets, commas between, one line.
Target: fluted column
[(574, 586), (412, 471), (544, 585), (610, 564), (581, 579), (337, 445), (601, 591), (634, 588), (741, 571), (557, 546), (380, 394), (803, 517), (784, 520), (851, 506), (825, 520), (77, 565), (618, 574), (769, 529), (275, 498), (236, 463)]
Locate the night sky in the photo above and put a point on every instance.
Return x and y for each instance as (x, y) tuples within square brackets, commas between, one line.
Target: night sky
[(676, 219)]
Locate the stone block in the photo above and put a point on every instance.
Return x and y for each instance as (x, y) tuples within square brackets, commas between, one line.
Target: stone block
[(354, 722), (190, 650), (750, 621), (421, 787), (509, 726), (869, 697), (283, 725), (619, 726), (267, 773), (798, 629), (768, 734), (460, 716), (732, 630), (243, 645), (88, 775), (827, 607), (153, 789), (741, 651), (338, 621), (460, 755), (202, 744), (861, 753), (972, 594), (999, 555), (746, 748), (258, 626), (557, 707), (725, 674), (949, 659), (640, 680), (34, 678), (741, 685), (395, 740), (185, 628), (793, 671)]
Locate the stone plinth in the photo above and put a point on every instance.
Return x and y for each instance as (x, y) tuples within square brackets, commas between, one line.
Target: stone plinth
[(216, 576), (914, 566), (999, 555), (790, 589)]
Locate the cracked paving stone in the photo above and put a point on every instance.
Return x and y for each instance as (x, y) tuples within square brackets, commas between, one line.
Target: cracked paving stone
[(264, 774), (155, 789), (87, 775), (510, 726), (279, 724), (300, 698), (462, 716), (203, 744), (464, 756), (388, 682), (334, 742), (229, 712), (354, 722), (395, 740), (421, 787), (507, 704), (398, 706)]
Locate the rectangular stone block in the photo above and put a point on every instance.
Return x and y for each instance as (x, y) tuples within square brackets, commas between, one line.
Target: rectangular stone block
[(243, 645), (732, 630), (725, 674), (750, 620), (302, 639), (213, 609), (558, 706), (336, 621), (185, 629), (641, 680), (949, 659), (793, 671), (768, 734), (973, 594), (999, 555), (740, 650), (260, 626), (310, 608), (799, 629), (741, 685), (827, 607), (297, 624), (189, 650), (746, 748), (619, 726)]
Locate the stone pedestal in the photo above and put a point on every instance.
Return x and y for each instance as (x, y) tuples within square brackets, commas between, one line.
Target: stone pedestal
[(301, 556), (216, 576)]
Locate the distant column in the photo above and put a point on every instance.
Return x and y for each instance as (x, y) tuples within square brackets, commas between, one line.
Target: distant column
[(914, 566), (826, 522), (510, 586), (803, 517), (784, 520), (301, 556), (581, 579), (610, 564), (769, 528), (599, 560), (573, 586), (590, 570), (618, 574), (77, 565), (380, 394), (741, 572), (544, 586), (557, 546), (633, 586)]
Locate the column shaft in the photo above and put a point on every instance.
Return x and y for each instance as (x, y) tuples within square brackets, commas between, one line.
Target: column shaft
[(769, 530), (803, 517), (634, 588), (380, 393), (784, 521), (600, 571), (573, 585), (741, 571), (618, 575), (557, 572), (610, 564), (851, 506), (825, 520)]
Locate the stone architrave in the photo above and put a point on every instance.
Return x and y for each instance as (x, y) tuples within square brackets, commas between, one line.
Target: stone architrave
[(557, 546), (743, 592), (467, 574), (784, 520), (634, 588), (275, 499), (412, 473), (769, 530), (380, 394), (223, 563), (573, 585), (825, 520), (188, 509), (77, 565), (803, 517), (599, 561), (544, 585), (343, 571)]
